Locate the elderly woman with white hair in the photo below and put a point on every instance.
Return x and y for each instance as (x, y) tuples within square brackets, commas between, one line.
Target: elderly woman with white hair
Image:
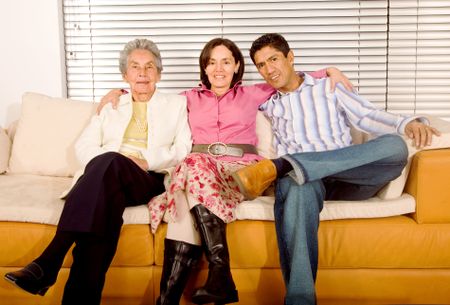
[(126, 153)]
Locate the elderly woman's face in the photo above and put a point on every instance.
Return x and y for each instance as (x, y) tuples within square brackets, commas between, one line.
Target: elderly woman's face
[(142, 74)]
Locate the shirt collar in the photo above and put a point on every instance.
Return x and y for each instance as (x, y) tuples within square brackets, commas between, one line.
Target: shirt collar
[(308, 80)]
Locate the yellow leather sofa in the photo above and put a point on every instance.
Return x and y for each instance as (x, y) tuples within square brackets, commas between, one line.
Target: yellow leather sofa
[(390, 260)]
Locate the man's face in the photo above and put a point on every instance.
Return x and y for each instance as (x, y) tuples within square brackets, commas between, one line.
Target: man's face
[(277, 69)]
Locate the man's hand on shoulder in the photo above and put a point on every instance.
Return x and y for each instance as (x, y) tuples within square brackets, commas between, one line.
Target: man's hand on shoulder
[(420, 133), (112, 97)]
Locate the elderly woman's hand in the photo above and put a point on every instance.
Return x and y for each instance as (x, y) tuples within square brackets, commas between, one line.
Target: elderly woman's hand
[(140, 162), (112, 97)]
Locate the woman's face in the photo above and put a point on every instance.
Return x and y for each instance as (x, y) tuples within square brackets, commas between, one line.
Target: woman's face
[(220, 69), (142, 74)]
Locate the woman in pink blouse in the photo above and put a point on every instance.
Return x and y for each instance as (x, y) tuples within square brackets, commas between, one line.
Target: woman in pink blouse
[(202, 195)]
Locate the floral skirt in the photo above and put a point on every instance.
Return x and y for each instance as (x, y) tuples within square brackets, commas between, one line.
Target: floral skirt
[(204, 180)]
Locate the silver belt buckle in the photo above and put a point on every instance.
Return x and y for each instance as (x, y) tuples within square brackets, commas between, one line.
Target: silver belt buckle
[(217, 149)]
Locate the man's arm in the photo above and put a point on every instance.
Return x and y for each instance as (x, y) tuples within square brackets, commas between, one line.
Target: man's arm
[(365, 116)]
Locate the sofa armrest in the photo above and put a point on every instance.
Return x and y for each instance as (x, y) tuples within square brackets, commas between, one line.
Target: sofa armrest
[(428, 181), (5, 149)]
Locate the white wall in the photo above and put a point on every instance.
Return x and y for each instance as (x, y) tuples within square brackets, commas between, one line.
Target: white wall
[(31, 53)]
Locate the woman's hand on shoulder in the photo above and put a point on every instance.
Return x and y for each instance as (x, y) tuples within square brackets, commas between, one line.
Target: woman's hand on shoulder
[(112, 97), (336, 76)]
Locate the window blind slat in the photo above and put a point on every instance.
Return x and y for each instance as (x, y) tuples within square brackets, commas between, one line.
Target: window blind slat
[(419, 57), (348, 34)]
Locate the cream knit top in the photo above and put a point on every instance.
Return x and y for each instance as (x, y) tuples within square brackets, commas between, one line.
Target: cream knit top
[(135, 137)]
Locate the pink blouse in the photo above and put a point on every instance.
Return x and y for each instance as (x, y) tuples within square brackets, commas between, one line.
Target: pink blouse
[(230, 118)]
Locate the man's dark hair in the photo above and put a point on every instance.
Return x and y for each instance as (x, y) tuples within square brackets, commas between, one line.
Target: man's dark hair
[(273, 40)]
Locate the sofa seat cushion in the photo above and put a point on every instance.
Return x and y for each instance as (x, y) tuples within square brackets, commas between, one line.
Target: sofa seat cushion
[(392, 242), (33, 198), (23, 242), (262, 208)]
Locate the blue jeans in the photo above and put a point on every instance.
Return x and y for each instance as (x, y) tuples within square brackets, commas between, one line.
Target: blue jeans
[(356, 172)]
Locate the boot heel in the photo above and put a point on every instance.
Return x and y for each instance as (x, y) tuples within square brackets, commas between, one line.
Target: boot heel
[(232, 298)]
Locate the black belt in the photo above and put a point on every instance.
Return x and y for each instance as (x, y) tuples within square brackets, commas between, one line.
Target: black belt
[(219, 149)]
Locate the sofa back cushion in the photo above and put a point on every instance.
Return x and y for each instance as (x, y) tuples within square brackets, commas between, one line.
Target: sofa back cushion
[(5, 147), (46, 132), (265, 136)]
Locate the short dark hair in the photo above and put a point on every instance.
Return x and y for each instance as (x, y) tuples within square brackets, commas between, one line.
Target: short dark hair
[(273, 40), (205, 56)]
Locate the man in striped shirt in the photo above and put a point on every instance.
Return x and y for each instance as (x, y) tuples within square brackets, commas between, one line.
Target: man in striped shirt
[(317, 160)]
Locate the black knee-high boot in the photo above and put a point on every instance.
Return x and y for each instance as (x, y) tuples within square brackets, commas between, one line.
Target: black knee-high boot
[(179, 258), (219, 287)]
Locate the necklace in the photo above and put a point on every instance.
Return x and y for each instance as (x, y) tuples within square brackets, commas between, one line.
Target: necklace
[(141, 125)]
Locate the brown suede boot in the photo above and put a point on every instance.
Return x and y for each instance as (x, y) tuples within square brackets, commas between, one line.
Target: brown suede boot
[(254, 179)]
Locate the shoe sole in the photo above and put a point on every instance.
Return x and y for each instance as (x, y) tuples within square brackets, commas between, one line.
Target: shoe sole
[(241, 187), (14, 282)]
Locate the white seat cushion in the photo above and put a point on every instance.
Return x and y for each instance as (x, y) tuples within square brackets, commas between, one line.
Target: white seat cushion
[(33, 198), (262, 208)]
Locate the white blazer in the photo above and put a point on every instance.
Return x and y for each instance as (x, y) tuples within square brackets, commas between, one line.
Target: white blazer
[(169, 136)]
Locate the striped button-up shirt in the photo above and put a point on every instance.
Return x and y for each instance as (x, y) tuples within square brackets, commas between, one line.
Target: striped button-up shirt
[(312, 118)]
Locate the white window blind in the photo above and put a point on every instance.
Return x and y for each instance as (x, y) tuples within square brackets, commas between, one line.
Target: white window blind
[(356, 36), (351, 35), (96, 31), (419, 57)]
